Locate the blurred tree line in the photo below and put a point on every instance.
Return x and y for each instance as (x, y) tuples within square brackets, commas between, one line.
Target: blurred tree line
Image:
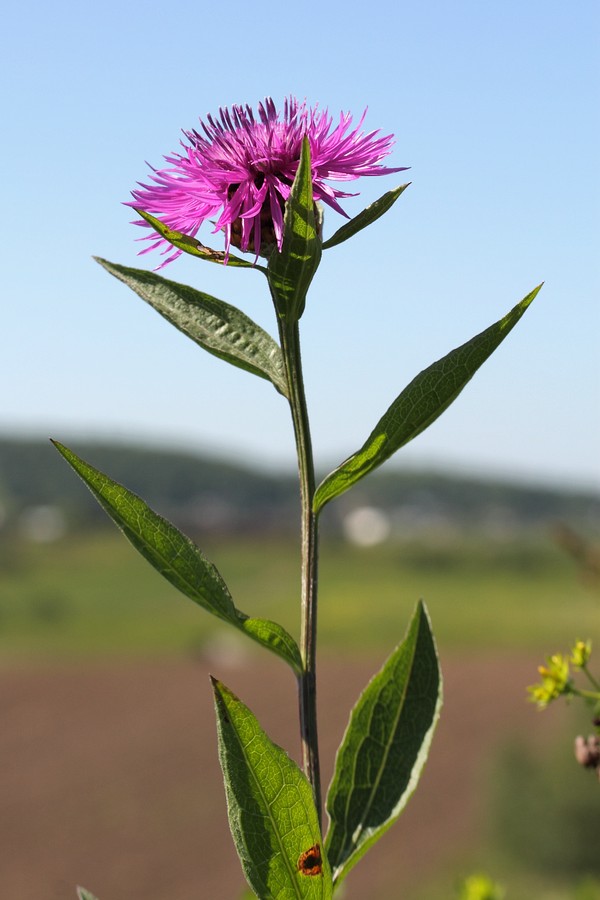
[(206, 494)]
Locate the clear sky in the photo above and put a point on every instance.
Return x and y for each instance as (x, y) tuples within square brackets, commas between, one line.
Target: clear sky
[(493, 105)]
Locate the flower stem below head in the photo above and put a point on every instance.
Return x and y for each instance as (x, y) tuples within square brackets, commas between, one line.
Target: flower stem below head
[(307, 685)]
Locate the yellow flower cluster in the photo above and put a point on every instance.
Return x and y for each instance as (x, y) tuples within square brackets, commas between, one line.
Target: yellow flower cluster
[(580, 654), (555, 681), (556, 676)]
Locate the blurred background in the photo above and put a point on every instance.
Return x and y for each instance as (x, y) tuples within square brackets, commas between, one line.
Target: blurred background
[(108, 767)]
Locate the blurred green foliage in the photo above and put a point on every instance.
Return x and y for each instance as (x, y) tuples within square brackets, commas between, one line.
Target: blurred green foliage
[(546, 810), (92, 594)]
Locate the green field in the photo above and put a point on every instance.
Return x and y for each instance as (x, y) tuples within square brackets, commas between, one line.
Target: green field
[(93, 595)]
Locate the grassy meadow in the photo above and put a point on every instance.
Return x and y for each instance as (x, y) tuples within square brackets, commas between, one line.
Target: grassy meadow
[(92, 595)]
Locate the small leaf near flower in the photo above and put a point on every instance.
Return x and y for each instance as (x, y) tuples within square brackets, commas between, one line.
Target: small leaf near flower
[(369, 215), (291, 271), (187, 244)]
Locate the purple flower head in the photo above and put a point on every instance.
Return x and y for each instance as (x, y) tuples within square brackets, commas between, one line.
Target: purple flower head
[(239, 168)]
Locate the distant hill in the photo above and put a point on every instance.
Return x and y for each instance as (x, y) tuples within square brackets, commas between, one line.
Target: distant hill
[(203, 494)]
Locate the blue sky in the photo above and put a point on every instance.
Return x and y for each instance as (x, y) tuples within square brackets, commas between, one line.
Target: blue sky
[(494, 107)]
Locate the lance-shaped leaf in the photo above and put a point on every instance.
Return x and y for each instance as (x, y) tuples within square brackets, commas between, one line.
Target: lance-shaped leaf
[(190, 245), (178, 559), (273, 636), (82, 894), (272, 813), (214, 325), (291, 271), (364, 218), (385, 747), (419, 404)]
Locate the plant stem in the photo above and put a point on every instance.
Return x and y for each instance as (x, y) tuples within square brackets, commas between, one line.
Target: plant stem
[(307, 684), (591, 678), (588, 695)]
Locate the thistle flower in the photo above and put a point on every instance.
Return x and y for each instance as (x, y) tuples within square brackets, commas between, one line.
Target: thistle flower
[(239, 168)]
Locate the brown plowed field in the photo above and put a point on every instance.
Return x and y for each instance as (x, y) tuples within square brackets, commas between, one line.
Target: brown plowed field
[(109, 775)]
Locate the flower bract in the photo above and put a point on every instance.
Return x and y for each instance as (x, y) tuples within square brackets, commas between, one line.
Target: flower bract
[(238, 168)]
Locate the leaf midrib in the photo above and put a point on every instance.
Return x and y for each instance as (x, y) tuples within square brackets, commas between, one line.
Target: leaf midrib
[(256, 780), (167, 565)]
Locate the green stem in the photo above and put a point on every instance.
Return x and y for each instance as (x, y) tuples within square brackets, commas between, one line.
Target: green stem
[(307, 685), (589, 695), (591, 678)]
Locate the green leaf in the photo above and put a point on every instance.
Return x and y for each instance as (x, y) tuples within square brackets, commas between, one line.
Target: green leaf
[(85, 895), (214, 325), (291, 271), (178, 559), (272, 636), (364, 218), (271, 810), (385, 747), (419, 404), (195, 248)]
